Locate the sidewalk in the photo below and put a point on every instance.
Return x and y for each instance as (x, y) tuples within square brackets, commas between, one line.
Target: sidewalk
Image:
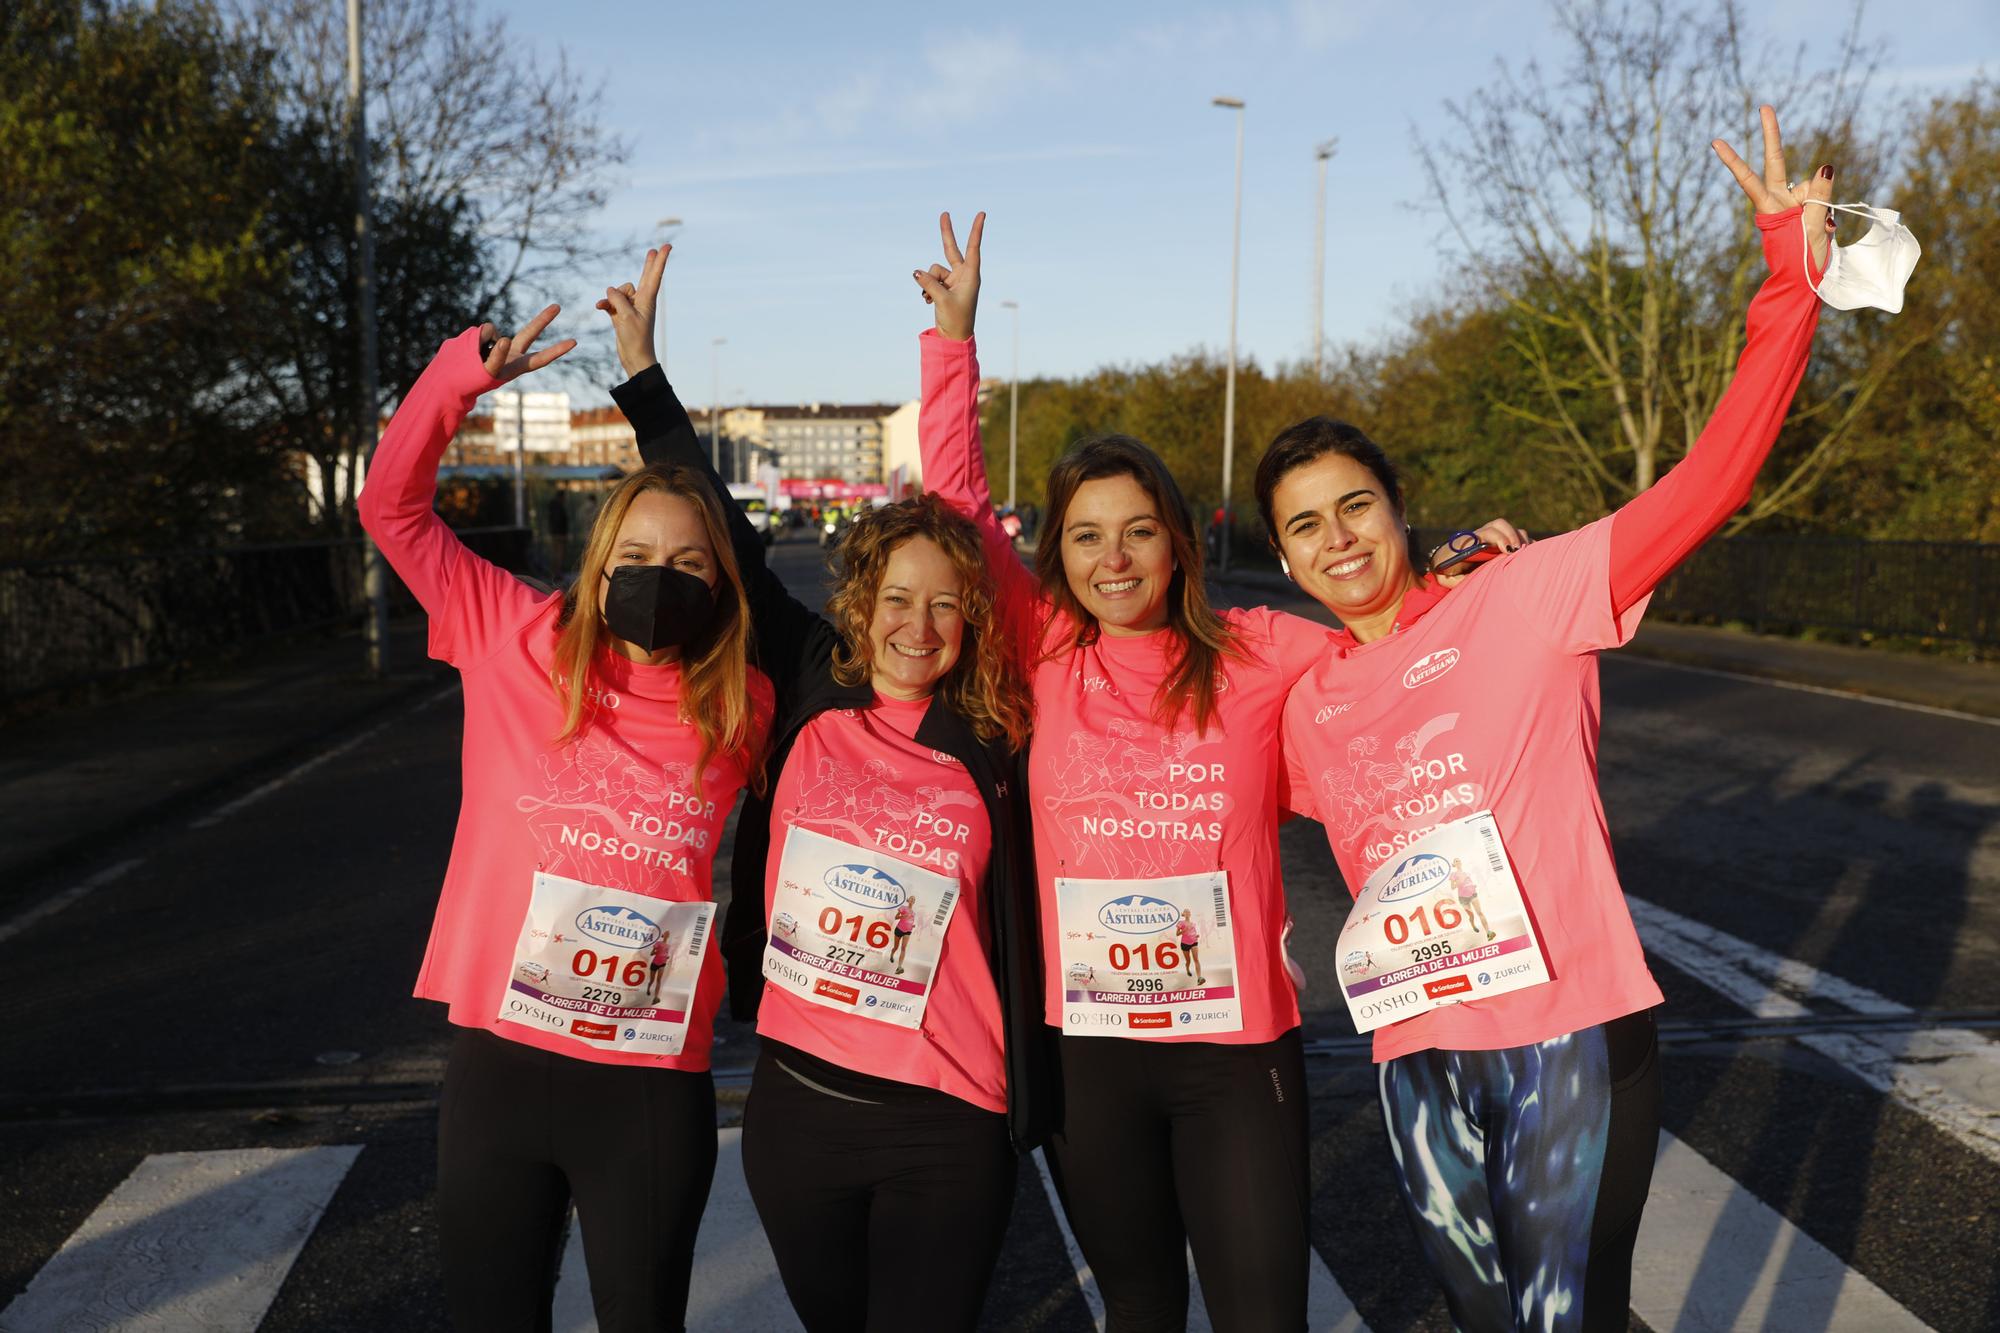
[(77, 785), (1965, 687)]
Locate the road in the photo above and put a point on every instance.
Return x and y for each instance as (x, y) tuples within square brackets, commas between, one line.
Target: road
[(1817, 881)]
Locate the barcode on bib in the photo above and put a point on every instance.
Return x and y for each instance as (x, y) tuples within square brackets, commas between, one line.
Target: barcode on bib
[(1221, 903), (1494, 861), (700, 936), (943, 914)]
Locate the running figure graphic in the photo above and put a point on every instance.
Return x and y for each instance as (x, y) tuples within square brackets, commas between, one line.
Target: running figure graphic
[(906, 922), (656, 960), (1190, 937), (1468, 895)]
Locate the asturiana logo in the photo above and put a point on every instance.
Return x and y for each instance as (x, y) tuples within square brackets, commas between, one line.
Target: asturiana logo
[(619, 927), (1138, 915), (1416, 876), (865, 886), (1429, 667)]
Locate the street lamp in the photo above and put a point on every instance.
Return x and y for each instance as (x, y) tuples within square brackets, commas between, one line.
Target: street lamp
[(715, 404), (665, 224), (1323, 152), (1229, 385), (1013, 400)]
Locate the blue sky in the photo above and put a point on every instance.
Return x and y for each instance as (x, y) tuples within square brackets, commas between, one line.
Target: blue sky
[(809, 148)]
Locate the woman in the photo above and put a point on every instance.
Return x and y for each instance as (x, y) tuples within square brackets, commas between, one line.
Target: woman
[(608, 729), (1153, 783), (879, 1138), (1523, 1122)]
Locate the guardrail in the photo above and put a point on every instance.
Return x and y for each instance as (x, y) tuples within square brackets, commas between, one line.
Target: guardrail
[(73, 621)]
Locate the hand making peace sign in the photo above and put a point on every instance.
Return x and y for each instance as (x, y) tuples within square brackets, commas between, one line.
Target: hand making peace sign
[(954, 291), (631, 309), (1774, 192), (508, 358)]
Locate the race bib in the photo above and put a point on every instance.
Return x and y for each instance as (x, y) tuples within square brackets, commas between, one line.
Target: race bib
[(1148, 957), (857, 931), (1440, 924), (609, 969)]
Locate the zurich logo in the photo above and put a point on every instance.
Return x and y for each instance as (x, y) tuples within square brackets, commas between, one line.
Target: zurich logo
[(1416, 876), (865, 886), (870, 1002), (1485, 978), (619, 927), (1186, 1017), (1138, 915), (631, 1033)]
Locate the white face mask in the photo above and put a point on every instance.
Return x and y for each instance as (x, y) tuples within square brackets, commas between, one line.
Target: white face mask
[(1872, 271)]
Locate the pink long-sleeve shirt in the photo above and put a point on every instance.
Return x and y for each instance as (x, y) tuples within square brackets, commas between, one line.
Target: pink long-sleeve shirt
[(614, 806), (1116, 794)]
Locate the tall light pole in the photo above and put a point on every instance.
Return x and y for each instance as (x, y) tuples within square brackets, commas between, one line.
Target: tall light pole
[(715, 403), (1323, 152), (1013, 401), (374, 574), (1229, 385), (670, 226)]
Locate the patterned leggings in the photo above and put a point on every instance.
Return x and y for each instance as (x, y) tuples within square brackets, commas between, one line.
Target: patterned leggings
[(1525, 1171)]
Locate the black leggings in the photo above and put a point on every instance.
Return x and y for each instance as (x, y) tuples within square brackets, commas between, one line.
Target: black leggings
[(520, 1133), (1167, 1145), (1525, 1171), (885, 1203)]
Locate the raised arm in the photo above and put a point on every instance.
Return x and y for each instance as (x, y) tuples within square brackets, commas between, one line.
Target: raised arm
[(792, 639), (1663, 525), (469, 600), (954, 463)]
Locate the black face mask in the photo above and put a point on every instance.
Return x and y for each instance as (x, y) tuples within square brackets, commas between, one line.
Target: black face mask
[(656, 607)]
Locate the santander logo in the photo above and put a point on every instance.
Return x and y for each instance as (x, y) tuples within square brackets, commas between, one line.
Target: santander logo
[(1429, 667)]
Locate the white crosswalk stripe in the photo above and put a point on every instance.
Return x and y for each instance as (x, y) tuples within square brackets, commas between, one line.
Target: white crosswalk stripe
[(1946, 1075), (195, 1242)]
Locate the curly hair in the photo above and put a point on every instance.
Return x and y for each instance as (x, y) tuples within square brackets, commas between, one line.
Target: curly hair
[(983, 686)]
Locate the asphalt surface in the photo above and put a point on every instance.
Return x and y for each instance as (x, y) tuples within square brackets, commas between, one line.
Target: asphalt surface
[(233, 970)]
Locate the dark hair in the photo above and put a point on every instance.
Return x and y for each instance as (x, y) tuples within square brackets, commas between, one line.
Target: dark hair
[(983, 686), (1314, 438), (1204, 636)]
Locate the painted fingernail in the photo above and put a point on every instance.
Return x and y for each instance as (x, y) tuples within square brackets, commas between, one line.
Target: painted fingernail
[(1826, 172)]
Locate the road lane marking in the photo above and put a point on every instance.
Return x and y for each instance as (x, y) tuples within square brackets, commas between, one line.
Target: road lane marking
[(736, 1284), (1949, 1076), (51, 905), (1712, 1256), (285, 779), (1855, 696), (196, 1241), (75, 893)]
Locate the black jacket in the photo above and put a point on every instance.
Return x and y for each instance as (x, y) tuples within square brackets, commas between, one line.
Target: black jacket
[(795, 647)]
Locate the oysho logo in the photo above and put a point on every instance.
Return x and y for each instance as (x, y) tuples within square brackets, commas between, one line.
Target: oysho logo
[(865, 886), (619, 927), (1138, 915), (1329, 712), (1429, 667), (1416, 876)]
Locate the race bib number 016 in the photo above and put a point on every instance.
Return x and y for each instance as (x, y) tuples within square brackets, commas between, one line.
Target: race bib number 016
[(613, 970), (1148, 957), (1441, 924), (857, 931)]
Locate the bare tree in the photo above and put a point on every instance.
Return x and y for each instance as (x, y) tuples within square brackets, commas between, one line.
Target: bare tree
[(1588, 201), (491, 166)]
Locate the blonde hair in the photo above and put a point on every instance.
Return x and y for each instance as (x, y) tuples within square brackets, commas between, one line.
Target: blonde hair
[(715, 665), (982, 686)]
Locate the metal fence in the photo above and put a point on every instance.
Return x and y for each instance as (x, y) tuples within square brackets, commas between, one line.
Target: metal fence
[(70, 622), (1930, 590)]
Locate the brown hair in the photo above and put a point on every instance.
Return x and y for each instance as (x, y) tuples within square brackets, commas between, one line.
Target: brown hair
[(1313, 439), (715, 685), (1204, 636), (983, 686)]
